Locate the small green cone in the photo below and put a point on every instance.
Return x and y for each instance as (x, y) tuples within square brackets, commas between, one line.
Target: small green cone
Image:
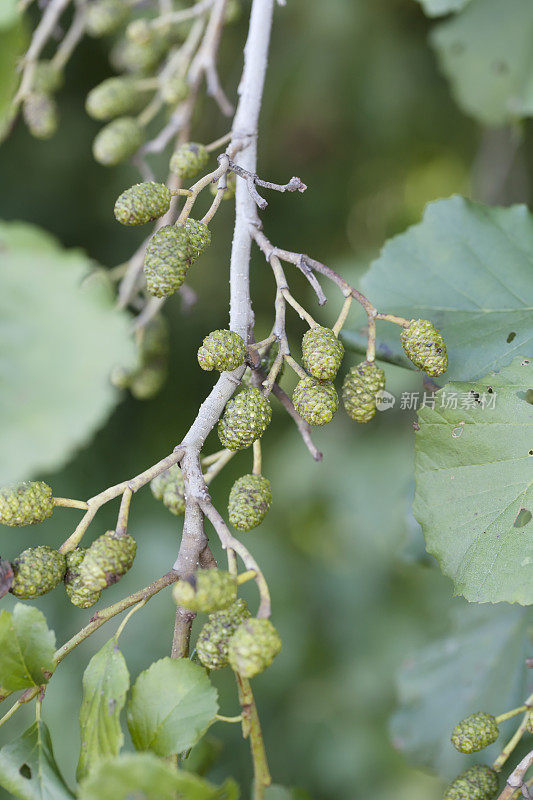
[(40, 115), (359, 390), (425, 347), (245, 419), (106, 561), (222, 350), (461, 789), (207, 590), (169, 487), (117, 141), (315, 401), (484, 778), (167, 260), (250, 499), (142, 203), (37, 570), (25, 503), (213, 641), (113, 98), (253, 647), (46, 78), (174, 90), (78, 593), (136, 58), (104, 17), (198, 237), (475, 732), (188, 160), (322, 353)]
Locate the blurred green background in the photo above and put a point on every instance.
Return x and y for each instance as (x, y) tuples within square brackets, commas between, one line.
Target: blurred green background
[(356, 107)]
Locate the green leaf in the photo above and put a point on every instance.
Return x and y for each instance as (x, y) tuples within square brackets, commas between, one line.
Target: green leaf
[(486, 55), (467, 268), (144, 776), (480, 666), (474, 474), (28, 769), (60, 336), (171, 706), (436, 8), (27, 649), (105, 684), (9, 13)]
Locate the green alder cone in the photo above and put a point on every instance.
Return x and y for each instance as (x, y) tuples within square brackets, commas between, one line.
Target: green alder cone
[(359, 390), (250, 499), (222, 350), (253, 647), (113, 98), (117, 141), (37, 570), (139, 31), (315, 401), (425, 347), (213, 641), (198, 237), (245, 419), (104, 17), (188, 160), (322, 353), (25, 503), (169, 487), (207, 590), (46, 78), (138, 58), (475, 732), (484, 777), (167, 260), (461, 789), (142, 203), (107, 560), (231, 185), (40, 115), (78, 593), (529, 722), (174, 90)]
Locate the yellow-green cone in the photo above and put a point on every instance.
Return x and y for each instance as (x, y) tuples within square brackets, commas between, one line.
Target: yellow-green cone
[(78, 593), (322, 353), (169, 487), (188, 160), (104, 17), (425, 347), (222, 350), (107, 560), (245, 419), (46, 78), (253, 647), (475, 732), (213, 641), (113, 98), (37, 570), (167, 261), (249, 501), (315, 401), (40, 115), (118, 141), (207, 590), (143, 202), (478, 782), (359, 390), (25, 503), (174, 90)]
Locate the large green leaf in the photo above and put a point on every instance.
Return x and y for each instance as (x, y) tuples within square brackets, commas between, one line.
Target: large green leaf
[(9, 13), (60, 336), (105, 684), (436, 8), (486, 54), (171, 706), (467, 268), (480, 666), (27, 649), (474, 473), (28, 769), (144, 776)]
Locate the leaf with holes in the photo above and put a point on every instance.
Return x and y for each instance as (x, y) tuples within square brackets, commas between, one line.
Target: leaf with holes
[(27, 649), (105, 684), (467, 268), (144, 775), (28, 768), (171, 706), (479, 665), (486, 55), (474, 473), (60, 337)]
